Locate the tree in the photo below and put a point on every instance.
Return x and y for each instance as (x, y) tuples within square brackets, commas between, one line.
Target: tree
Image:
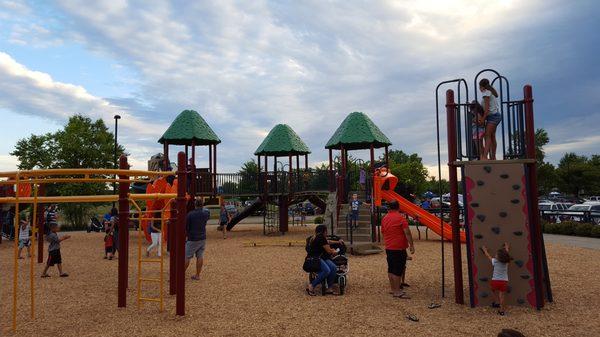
[(412, 174), (249, 173), (571, 173), (82, 143)]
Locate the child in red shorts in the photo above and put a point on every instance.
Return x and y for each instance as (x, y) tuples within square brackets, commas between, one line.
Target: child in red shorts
[(108, 245), (499, 282)]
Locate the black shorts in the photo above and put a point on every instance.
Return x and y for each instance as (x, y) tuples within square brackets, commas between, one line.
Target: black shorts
[(54, 257), (396, 260), (108, 250)]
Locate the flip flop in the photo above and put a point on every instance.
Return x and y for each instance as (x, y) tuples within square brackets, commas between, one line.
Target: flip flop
[(195, 278), (44, 276), (402, 296), (310, 293), (412, 318), (64, 275), (433, 305), (501, 313), (405, 285)]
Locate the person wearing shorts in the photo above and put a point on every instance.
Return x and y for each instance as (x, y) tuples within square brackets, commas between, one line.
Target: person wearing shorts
[(24, 241), (195, 226), (397, 239), (54, 256)]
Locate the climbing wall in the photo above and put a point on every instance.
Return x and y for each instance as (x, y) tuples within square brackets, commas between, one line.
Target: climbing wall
[(498, 212)]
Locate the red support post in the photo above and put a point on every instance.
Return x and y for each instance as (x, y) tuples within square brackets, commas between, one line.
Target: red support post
[(454, 212), (166, 162), (123, 234), (215, 168), (331, 177), (180, 235), (536, 236), (41, 221), (387, 158)]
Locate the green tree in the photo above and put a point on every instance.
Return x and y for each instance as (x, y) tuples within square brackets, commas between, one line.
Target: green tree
[(541, 139), (249, 173), (571, 172), (412, 174), (82, 143)]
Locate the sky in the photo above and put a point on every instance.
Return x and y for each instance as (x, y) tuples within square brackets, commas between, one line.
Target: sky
[(247, 66)]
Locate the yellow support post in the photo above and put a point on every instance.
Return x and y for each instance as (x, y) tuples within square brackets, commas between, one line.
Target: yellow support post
[(16, 253), (32, 250)]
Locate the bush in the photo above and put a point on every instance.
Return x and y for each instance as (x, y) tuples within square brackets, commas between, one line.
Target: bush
[(319, 220), (595, 232), (583, 229), (566, 228)]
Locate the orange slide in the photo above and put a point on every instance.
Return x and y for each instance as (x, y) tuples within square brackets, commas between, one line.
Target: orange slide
[(384, 184)]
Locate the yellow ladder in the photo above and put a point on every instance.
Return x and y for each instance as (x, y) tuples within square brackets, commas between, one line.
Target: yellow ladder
[(144, 260)]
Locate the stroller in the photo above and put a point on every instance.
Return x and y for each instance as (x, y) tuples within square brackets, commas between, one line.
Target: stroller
[(95, 225), (341, 261)]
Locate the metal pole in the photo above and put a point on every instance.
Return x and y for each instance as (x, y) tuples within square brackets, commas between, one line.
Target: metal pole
[(454, 212), (537, 239), (180, 235), (41, 228), (123, 235), (115, 164)]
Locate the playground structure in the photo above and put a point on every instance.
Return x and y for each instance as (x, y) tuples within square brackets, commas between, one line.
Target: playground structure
[(171, 193), (501, 203)]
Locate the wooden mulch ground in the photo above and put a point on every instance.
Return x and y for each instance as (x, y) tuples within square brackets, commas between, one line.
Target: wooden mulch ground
[(259, 291)]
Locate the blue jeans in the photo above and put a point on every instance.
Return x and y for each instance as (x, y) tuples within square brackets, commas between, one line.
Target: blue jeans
[(329, 270)]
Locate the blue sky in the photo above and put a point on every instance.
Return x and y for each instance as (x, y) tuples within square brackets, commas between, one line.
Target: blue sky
[(246, 66)]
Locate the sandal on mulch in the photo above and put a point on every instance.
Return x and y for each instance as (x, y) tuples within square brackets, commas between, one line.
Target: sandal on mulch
[(195, 278), (433, 305), (310, 292), (45, 275), (64, 275), (501, 313), (412, 317), (405, 285), (495, 305), (403, 296), (329, 292)]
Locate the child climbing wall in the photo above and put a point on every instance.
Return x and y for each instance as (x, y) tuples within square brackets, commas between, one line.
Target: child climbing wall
[(497, 212)]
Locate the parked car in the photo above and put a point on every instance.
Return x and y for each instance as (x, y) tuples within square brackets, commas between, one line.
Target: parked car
[(587, 212), (593, 198)]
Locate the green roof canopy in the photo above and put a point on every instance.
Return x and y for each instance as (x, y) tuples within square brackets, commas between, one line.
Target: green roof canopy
[(187, 127), (282, 141), (357, 132)]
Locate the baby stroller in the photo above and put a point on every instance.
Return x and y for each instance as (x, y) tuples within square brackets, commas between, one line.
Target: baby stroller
[(95, 225), (341, 261)]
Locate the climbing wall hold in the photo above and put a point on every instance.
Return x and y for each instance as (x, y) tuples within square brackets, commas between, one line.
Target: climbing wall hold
[(515, 201), (525, 276), (496, 230), (516, 187), (503, 214), (481, 217), (474, 204), (504, 176), (487, 169), (518, 233), (519, 263), (480, 183)]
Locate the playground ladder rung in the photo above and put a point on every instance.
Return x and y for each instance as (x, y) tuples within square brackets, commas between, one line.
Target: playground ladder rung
[(149, 279), (151, 260), (149, 299)]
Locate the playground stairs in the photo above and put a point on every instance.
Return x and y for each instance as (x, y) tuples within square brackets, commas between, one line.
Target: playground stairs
[(360, 234)]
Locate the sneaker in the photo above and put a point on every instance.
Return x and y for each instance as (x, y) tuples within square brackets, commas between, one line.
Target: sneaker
[(495, 305), (501, 313)]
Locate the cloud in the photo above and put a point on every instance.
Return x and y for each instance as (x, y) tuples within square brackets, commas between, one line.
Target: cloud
[(247, 66)]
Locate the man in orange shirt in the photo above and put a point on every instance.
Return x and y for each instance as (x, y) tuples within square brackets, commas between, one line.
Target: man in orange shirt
[(397, 237)]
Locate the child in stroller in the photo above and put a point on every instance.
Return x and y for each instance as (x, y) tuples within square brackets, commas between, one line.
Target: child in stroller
[(340, 260)]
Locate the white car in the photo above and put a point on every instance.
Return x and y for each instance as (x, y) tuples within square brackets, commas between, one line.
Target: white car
[(587, 212), (593, 198)]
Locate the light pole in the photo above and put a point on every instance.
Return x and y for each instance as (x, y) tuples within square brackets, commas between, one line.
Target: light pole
[(115, 164)]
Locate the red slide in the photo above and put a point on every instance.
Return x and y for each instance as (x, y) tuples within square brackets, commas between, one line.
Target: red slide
[(426, 218)]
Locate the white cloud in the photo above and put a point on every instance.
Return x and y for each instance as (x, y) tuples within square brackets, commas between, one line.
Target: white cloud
[(247, 66)]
